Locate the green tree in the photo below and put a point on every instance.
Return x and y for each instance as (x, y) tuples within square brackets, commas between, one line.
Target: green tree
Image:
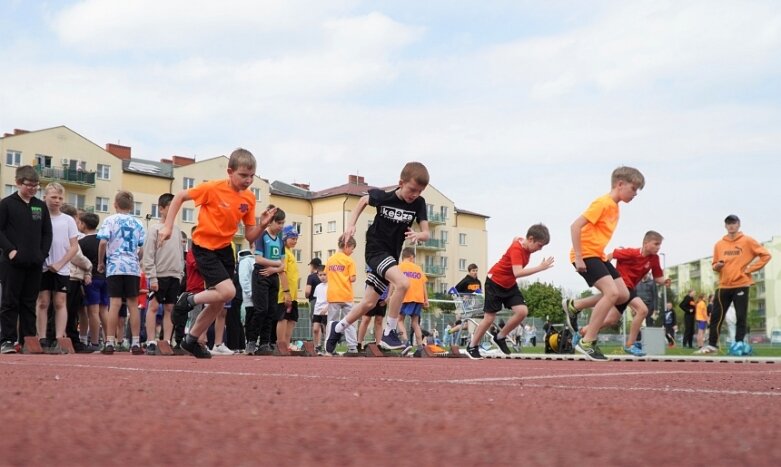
[(543, 300)]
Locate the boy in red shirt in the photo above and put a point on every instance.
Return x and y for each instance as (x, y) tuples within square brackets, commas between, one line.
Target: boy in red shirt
[(501, 288)]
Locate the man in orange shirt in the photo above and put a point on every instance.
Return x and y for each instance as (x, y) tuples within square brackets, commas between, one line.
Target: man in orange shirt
[(416, 297), (224, 203), (735, 257), (340, 271)]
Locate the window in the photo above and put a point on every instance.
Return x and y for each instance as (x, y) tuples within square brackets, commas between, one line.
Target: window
[(332, 226), (297, 226), (443, 262), (101, 204), (297, 254), (430, 210), (188, 215), (155, 211), (462, 264), (137, 206), (76, 200), (331, 253), (43, 160), (103, 172), (443, 237), (462, 239), (318, 254), (318, 229), (9, 190), (443, 288), (188, 183), (443, 212), (255, 192), (13, 158)]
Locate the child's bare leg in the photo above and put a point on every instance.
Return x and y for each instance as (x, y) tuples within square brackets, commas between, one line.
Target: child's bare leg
[(482, 328), (289, 330), (401, 327), (416, 329), (396, 299), (519, 314), (640, 312), (610, 295), (60, 314), (112, 319), (151, 318), (103, 319), (205, 318), (377, 328), (84, 320), (363, 327), (42, 312), (281, 331), (219, 327), (134, 314), (168, 324), (316, 333), (369, 301), (214, 299)]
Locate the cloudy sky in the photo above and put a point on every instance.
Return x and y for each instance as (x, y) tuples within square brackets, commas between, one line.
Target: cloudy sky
[(520, 109)]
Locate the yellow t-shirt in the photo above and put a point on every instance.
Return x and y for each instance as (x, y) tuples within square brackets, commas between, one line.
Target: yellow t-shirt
[(701, 311), (602, 217), (340, 268), (417, 282), (291, 270)]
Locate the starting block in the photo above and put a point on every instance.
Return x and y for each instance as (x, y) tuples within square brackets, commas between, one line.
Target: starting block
[(309, 349), (374, 350), (66, 345), (282, 349), (32, 345), (164, 348), (455, 352)]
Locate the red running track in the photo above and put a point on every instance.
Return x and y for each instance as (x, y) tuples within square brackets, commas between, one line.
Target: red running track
[(138, 410)]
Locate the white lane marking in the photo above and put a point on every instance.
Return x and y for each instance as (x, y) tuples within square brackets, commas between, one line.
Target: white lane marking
[(728, 392)]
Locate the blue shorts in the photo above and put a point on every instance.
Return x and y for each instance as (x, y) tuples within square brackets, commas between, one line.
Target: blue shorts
[(96, 293), (702, 325), (411, 309)]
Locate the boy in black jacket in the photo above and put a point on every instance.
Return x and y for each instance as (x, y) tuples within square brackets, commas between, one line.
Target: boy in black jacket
[(25, 238)]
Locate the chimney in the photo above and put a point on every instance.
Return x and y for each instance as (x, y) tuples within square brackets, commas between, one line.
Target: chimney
[(304, 186), (180, 161), (119, 151), (167, 161), (360, 180), (17, 131), (352, 179)]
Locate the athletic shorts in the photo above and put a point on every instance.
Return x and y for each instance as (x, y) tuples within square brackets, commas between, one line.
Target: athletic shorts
[(123, 286), (596, 269), (702, 325), (54, 282), (322, 319), (498, 297), (632, 296), (377, 266), (96, 293), (214, 265), (378, 310), (283, 315), (411, 309), (167, 290)]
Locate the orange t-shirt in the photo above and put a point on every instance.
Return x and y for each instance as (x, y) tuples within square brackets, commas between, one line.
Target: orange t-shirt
[(701, 313), (417, 282), (739, 256), (602, 217), (340, 268), (222, 208)]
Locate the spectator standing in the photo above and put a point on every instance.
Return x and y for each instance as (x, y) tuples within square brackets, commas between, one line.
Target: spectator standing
[(470, 283), (688, 306)]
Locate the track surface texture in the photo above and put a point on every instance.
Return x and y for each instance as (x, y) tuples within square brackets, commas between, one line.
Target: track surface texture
[(239, 410)]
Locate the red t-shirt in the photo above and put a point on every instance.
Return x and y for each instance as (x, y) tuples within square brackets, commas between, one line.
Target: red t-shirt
[(502, 272), (633, 266), (195, 281)]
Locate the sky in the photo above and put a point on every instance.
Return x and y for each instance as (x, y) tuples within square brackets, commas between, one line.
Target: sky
[(520, 109)]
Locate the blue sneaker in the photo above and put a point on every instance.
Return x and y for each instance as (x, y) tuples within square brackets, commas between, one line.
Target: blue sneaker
[(391, 341), (747, 349), (635, 349), (575, 339), (333, 339), (736, 349)]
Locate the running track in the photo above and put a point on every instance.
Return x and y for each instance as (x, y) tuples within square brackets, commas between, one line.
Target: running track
[(139, 410)]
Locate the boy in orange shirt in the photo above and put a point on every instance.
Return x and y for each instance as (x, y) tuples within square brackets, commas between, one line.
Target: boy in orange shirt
[(416, 297), (701, 317), (591, 232), (735, 257), (340, 271), (224, 203)]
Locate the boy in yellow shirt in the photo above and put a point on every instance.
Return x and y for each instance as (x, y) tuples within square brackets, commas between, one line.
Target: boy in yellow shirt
[(416, 297), (287, 308), (340, 271)]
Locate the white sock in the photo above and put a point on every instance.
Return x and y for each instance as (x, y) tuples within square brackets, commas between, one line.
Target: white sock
[(83, 339), (390, 325), (135, 340), (340, 326)]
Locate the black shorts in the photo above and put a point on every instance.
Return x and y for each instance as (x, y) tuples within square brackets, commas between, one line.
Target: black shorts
[(322, 319), (632, 296), (377, 264), (498, 297), (214, 265), (122, 286), (167, 290), (54, 282), (283, 315), (596, 269), (378, 310)]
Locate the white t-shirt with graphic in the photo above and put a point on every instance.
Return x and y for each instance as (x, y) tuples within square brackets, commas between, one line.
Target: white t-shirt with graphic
[(124, 234)]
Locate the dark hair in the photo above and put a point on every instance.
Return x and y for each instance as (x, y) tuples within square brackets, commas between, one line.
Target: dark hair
[(320, 268), (415, 171), (26, 172), (471, 266), (279, 215), (69, 209), (540, 233), (124, 200), (408, 253), (165, 199), (90, 220), (351, 242)]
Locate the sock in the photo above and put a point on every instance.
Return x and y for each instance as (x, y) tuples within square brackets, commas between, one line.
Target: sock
[(83, 339), (340, 326), (390, 325), (135, 340), (191, 339), (500, 335), (110, 341), (191, 299)]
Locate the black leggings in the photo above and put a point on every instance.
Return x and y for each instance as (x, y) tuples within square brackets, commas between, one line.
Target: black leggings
[(724, 298)]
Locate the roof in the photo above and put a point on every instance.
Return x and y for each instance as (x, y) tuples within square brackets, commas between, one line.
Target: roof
[(285, 189), (150, 168), (346, 189), (471, 213)]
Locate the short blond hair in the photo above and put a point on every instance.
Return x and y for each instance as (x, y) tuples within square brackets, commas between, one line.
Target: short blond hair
[(241, 158), (54, 186), (628, 175), (652, 236)]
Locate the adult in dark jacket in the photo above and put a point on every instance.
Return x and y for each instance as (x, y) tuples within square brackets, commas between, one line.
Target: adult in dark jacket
[(688, 307), (25, 238)]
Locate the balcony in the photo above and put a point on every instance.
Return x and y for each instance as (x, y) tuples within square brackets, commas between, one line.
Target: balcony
[(434, 271), (436, 219), (69, 177), (432, 245)]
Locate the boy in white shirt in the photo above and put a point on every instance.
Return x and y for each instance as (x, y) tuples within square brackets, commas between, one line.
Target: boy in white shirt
[(320, 310)]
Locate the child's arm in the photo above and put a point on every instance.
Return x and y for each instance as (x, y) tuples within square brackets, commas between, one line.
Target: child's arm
[(148, 262), (575, 230), (421, 236), (165, 231), (72, 250), (283, 284), (520, 271), (102, 255), (349, 230), (425, 297), (253, 232)]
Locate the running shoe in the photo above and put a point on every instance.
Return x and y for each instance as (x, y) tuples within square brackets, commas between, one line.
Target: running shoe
[(221, 349), (196, 349), (474, 352), (251, 348), (136, 349), (501, 342), (182, 304), (8, 348), (707, 350), (570, 314), (108, 349), (736, 349), (391, 341), (591, 351), (635, 349), (151, 348), (333, 339)]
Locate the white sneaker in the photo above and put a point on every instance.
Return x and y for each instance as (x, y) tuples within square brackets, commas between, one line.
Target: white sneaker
[(708, 349), (221, 349)]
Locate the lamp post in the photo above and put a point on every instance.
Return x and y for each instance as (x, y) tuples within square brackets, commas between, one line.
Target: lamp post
[(664, 287)]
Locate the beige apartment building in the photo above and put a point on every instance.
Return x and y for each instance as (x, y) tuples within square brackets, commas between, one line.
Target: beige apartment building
[(92, 175), (765, 295)]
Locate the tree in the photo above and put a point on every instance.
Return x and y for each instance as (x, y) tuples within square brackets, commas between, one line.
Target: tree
[(544, 301)]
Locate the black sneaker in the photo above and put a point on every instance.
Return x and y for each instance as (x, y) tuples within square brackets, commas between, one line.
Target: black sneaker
[(196, 349), (501, 342), (108, 349), (7, 348), (570, 314), (182, 305), (81, 347), (250, 348), (591, 351), (333, 339), (136, 349), (391, 341), (151, 348), (473, 352)]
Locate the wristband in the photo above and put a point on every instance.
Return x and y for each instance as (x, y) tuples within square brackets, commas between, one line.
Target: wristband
[(286, 291)]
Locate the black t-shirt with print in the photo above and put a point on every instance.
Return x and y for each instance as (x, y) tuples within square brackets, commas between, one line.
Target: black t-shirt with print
[(394, 216)]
